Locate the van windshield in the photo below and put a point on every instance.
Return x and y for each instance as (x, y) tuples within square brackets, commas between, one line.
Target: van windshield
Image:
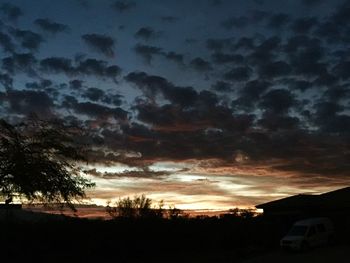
[(298, 231)]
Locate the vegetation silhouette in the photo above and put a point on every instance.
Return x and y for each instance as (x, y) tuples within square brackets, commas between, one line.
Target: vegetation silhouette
[(140, 239), (38, 162), (142, 207), (231, 237)]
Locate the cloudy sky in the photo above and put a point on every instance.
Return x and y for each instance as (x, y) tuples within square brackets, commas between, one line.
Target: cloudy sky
[(205, 104)]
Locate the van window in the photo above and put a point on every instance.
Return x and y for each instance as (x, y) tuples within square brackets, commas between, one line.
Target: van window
[(298, 231), (312, 231), (321, 228)]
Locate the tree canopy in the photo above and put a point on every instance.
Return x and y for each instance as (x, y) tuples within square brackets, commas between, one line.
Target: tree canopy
[(38, 161), (141, 207)]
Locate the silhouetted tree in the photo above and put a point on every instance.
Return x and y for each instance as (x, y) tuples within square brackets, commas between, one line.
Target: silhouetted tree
[(38, 162), (139, 206), (175, 213), (248, 213), (123, 208), (240, 213), (159, 209)]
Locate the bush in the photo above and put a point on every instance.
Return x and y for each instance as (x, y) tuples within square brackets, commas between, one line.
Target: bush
[(141, 207)]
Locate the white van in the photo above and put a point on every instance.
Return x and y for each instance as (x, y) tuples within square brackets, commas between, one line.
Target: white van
[(308, 233)]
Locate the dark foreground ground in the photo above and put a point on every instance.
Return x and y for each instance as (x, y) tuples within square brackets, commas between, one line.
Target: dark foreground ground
[(153, 240), (336, 254)]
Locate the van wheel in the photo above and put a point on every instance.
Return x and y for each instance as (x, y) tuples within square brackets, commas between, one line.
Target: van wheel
[(304, 246)]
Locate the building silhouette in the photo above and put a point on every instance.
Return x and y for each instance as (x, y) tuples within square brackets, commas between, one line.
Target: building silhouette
[(335, 204)]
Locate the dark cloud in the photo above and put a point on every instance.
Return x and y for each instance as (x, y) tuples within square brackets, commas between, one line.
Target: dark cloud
[(200, 64), (94, 94), (171, 119), (218, 44), (277, 122), (147, 52), (327, 109), (123, 6), (100, 43), (304, 25), (140, 131), (277, 21), (28, 39), (150, 85), (252, 18), (223, 58), (274, 69), (39, 86), (163, 116), (237, 22), (266, 52), (339, 124), (222, 86), (169, 19), (304, 44), (330, 118), (238, 74), (337, 93), (50, 26), (259, 15), (6, 81), (182, 134), (6, 42), (296, 84), (147, 33), (341, 70), (99, 68), (215, 2), (306, 56), (153, 85), (324, 155), (27, 101), (191, 41), (341, 15), (250, 94), (311, 2), (89, 67), (144, 173), (173, 56), (253, 89), (114, 99), (83, 3), (20, 62), (329, 31), (76, 84), (57, 65), (94, 110), (341, 53), (245, 43), (259, 2), (335, 28), (325, 79), (183, 96), (188, 111), (11, 11), (278, 101)]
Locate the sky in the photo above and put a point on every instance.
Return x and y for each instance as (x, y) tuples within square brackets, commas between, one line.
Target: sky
[(206, 104)]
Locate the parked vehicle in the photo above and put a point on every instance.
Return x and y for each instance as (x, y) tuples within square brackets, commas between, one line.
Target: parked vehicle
[(309, 233)]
